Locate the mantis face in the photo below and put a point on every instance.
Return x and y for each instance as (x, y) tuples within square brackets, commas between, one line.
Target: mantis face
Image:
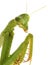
[(22, 21)]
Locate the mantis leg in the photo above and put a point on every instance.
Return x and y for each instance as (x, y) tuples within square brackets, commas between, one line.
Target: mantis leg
[(8, 37), (18, 56)]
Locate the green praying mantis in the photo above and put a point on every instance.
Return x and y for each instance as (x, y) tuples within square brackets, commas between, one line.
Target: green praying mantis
[(6, 38)]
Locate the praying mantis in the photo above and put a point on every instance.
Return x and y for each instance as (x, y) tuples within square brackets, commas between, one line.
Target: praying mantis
[(6, 38)]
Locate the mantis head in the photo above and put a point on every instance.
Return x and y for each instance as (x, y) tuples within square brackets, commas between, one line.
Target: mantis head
[(22, 21)]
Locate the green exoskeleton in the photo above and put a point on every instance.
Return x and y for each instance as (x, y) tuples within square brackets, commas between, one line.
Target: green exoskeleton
[(6, 38)]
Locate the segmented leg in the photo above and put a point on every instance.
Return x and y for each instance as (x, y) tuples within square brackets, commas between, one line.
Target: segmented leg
[(29, 40)]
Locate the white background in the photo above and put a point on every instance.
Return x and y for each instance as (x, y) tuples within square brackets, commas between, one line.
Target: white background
[(38, 26)]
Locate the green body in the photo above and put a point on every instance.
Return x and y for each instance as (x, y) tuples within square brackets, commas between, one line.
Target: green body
[(6, 38)]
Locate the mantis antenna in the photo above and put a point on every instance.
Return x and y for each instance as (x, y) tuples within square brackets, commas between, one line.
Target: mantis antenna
[(26, 6), (35, 10), (39, 9)]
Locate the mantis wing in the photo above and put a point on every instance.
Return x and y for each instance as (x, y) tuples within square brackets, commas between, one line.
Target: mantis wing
[(1, 40)]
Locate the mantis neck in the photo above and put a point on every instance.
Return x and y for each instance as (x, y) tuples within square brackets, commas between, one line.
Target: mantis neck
[(10, 26)]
